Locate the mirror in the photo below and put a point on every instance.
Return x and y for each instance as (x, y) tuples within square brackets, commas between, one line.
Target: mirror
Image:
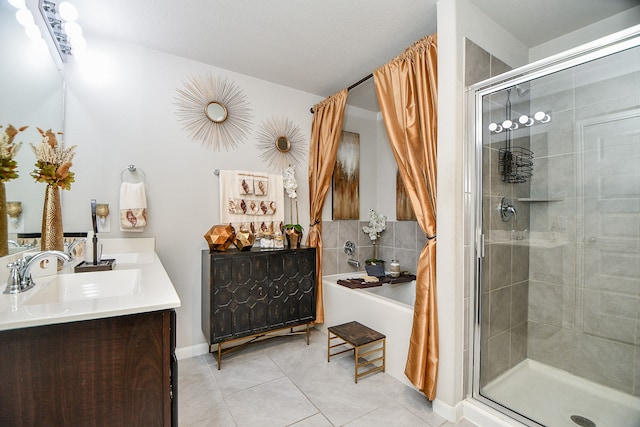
[(31, 94), (283, 144), (216, 112)]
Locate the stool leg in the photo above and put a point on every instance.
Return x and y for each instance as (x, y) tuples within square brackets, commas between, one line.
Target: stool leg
[(384, 354), (328, 347), (357, 355)]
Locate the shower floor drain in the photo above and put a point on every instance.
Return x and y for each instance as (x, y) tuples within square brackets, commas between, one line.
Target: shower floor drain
[(582, 421)]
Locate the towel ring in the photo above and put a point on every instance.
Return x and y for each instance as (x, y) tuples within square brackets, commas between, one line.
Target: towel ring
[(134, 173)]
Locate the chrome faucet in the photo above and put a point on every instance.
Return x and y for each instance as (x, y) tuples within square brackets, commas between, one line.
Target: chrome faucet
[(353, 262), (69, 247), (20, 275), (507, 210)]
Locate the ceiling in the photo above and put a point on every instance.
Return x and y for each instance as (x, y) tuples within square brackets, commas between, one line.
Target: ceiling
[(316, 46)]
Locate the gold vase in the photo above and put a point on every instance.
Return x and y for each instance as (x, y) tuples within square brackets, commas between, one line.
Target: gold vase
[(294, 238), (52, 237), (4, 237)]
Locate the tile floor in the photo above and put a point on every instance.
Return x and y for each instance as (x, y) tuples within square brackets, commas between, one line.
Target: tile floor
[(284, 382)]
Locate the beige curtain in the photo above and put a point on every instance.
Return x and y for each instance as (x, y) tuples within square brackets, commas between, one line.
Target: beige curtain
[(325, 136), (407, 94)]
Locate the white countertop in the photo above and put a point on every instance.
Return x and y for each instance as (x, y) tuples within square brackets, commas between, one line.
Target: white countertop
[(153, 292)]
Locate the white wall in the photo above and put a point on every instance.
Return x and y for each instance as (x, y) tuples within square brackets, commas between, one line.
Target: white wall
[(120, 111), (618, 22), (457, 19)]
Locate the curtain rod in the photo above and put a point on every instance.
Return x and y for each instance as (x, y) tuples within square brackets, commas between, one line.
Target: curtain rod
[(356, 84)]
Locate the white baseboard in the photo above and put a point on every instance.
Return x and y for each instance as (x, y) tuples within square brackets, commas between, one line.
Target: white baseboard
[(192, 351), (450, 413)]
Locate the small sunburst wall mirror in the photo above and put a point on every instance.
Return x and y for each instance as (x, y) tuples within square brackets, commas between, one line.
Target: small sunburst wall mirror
[(214, 111), (280, 141)]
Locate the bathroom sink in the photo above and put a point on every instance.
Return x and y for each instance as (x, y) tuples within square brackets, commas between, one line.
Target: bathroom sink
[(130, 257), (86, 286)]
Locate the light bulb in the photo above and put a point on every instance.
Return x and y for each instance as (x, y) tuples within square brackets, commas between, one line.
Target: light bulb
[(542, 117), (526, 120), (510, 125), (24, 17), (18, 4), (33, 32), (78, 43), (73, 29), (67, 11), (494, 127)]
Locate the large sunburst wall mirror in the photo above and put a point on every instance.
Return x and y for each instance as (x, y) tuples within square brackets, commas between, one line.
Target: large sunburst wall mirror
[(281, 142), (214, 111)]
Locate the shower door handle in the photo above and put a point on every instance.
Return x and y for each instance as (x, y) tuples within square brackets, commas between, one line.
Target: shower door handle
[(480, 249)]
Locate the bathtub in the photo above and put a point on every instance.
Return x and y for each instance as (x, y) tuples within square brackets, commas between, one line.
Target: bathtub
[(388, 309)]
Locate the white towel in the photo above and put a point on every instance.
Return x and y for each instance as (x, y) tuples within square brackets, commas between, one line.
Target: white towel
[(133, 207)]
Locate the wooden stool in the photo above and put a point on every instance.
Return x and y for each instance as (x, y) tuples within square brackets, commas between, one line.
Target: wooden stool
[(358, 336)]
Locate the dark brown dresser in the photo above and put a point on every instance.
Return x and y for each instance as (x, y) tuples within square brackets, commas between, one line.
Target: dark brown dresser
[(246, 294)]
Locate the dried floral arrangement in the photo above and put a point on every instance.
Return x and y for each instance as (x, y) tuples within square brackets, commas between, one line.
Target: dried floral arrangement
[(290, 184), (53, 161), (8, 151)]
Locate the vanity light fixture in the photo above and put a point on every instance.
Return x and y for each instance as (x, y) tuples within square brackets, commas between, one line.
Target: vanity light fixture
[(65, 31), (25, 18), (14, 210)]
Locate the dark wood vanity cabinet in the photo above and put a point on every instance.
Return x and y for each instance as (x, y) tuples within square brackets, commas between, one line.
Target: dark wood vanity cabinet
[(249, 293), (118, 371)]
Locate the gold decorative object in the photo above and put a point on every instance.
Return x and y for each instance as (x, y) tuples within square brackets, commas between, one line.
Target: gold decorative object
[(4, 237), (214, 111), (244, 240), (219, 237), (102, 211), (52, 237), (14, 210), (280, 141), (294, 238)]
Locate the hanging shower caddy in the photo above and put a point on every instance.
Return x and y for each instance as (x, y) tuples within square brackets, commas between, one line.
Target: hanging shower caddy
[(515, 163)]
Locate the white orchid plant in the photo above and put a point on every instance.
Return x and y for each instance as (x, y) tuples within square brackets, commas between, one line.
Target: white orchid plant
[(377, 224), (291, 185)]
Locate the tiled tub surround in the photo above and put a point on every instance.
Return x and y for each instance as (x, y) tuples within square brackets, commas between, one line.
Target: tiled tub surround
[(402, 240)]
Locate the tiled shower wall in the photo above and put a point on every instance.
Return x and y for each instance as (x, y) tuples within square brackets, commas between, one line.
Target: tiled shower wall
[(402, 240), (584, 312), (540, 300), (505, 266)]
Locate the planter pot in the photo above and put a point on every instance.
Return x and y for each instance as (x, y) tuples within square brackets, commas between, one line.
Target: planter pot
[(294, 238)]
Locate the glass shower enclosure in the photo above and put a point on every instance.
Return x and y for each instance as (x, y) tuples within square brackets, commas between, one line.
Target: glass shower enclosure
[(557, 230)]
